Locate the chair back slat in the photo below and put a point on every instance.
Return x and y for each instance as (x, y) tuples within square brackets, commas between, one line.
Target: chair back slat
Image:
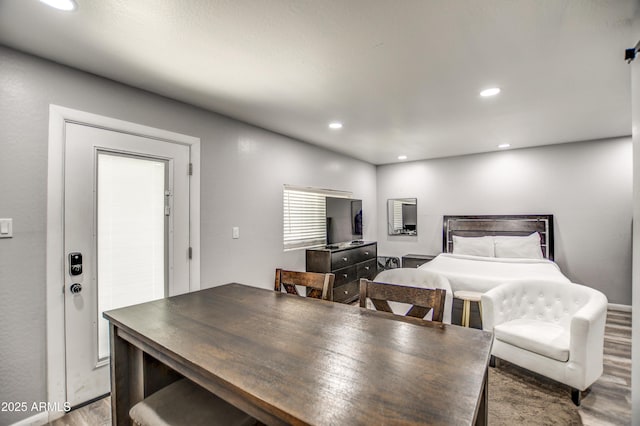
[(381, 305), (419, 312), (291, 289), (422, 300), (319, 286)]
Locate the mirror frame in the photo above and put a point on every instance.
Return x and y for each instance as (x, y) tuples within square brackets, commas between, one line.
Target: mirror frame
[(392, 208)]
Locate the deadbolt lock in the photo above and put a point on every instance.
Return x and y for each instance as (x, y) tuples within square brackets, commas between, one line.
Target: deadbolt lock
[(75, 288)]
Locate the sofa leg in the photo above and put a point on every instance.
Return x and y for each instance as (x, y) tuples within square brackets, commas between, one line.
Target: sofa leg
[(492, 361), (575, 396)]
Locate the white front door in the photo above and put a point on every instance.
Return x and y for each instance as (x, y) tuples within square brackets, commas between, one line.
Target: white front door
[(126, 239)]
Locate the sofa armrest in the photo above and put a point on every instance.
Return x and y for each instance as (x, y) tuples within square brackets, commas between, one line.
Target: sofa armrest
[(587, 336)]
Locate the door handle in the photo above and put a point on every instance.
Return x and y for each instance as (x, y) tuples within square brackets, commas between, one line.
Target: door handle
[(75, 288)]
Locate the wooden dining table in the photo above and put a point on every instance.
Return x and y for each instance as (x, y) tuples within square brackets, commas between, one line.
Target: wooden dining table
[(286, 359)]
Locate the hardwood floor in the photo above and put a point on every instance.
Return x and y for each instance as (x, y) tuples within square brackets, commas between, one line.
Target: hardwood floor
[(97, 413), (607, 404)]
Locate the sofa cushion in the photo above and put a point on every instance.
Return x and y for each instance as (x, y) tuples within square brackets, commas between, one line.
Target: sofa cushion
[(541, 337)]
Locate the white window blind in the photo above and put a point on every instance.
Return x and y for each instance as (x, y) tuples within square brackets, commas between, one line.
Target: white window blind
[(397, 217), (305, 217)]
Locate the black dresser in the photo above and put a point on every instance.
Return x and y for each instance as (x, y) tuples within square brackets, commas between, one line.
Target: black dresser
[(349, 262)]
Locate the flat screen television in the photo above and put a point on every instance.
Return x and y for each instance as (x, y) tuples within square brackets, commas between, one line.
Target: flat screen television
[(344, 220)]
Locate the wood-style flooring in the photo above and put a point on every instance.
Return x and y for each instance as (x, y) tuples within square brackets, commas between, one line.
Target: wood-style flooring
[(608, 403), (97, 413)]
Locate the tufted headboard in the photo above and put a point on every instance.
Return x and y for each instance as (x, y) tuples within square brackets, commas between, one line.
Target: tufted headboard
[(479, 226)]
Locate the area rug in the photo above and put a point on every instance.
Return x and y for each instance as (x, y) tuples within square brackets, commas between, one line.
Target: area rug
[(520, 397)]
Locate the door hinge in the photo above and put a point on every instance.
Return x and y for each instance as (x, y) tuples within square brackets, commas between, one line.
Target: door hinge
[(190, 253), (190, 169)]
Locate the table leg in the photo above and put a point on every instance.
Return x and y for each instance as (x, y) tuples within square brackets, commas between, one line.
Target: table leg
[(126, 383), (119, 377), (482, 418)]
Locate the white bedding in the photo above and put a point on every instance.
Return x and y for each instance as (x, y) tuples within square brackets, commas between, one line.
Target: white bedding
[(474, 273)]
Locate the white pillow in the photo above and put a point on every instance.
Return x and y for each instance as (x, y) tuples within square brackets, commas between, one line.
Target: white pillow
[(473, 246), (518, 247)]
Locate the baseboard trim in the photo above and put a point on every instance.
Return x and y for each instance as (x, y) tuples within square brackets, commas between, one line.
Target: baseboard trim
[(40, 419), (618, 307)]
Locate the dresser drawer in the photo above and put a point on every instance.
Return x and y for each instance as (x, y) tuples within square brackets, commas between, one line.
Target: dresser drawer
[(416, 260), (345, 275), (367, 269), (346, 293), (366, 253), (343, 258)]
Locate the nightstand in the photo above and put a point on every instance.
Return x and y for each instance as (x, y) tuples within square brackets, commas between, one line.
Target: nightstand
[(415, 260)]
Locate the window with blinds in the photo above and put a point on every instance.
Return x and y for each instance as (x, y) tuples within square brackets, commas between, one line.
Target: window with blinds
[(304, 215)]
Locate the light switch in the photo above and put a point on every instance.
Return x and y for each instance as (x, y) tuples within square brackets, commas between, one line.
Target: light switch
[(6, 228), (235, 232)]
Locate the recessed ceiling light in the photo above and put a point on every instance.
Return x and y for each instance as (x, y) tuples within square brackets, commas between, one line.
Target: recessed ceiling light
[(490, 92), (335, 125), (66, 5), (402, 157), (504, 145)]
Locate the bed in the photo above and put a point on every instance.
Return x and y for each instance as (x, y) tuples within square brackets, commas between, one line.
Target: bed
[(481, 270)]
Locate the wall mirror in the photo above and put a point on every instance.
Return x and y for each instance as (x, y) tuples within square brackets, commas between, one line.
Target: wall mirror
[(402, 216)]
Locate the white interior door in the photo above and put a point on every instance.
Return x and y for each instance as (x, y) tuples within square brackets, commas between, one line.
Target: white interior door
[(126, 237)]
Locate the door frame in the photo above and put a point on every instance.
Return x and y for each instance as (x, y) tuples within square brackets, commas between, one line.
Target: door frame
[(55, 257)]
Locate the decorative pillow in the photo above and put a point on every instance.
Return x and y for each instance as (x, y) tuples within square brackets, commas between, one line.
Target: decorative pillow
[(521, 247), (474, 246)]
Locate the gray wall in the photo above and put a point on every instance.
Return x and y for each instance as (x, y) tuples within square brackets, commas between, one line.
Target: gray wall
[(243, 170), (587, 186)]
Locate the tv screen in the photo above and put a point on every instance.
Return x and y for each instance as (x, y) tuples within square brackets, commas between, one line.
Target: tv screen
[(344, 220)]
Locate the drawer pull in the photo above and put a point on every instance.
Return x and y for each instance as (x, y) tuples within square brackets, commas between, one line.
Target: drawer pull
[(346, 292), (366, 253), (345, 275), (367, 268), (345, 259)]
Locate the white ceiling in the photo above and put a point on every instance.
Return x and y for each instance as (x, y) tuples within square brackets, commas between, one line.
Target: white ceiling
[(403, 76)]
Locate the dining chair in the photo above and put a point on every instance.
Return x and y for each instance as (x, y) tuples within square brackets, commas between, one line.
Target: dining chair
[(185, 403), (422, 300), (319, 286), (416, 277)]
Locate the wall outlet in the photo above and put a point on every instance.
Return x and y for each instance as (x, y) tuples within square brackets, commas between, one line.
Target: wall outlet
[(235, 232)]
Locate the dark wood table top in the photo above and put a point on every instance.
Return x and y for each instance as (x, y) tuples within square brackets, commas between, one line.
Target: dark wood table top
[(307, 361)]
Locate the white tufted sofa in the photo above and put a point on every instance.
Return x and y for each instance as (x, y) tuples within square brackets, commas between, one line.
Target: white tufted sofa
[(553, 329), (414, 277)]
